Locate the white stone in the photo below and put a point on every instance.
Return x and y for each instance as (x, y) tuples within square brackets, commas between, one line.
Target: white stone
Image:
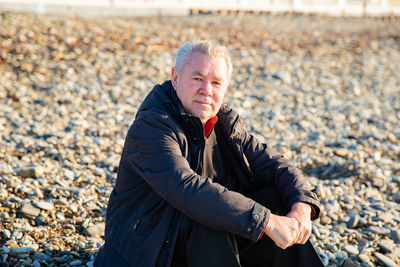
[(385, 260), (44, 205), (95, 230), (351, 249)]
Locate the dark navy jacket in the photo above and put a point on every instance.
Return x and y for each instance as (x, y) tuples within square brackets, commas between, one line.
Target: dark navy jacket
[(158, 179)]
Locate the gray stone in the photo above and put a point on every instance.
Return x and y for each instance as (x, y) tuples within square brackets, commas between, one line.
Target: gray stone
[(378, 230), (44, 205), (386, 245), (326, 220), (362, 221), (395, 235), (385, 260), (4, 260), (315, 230), (73, 208), (23, 255), (4, 215), (353, 221), (69, 174), (60, 216), (6, 233), (80, 245), (325, 261), (31, 171), (351, 249), (385, 216), (41, 220), (75, 263), (22, 250), (340, 228), (396, 253), (95, 230), (30, 210), (5, 249), (283, 76), (62, 259), (42, 256), (364, 258), (331, 247), (340, 255)]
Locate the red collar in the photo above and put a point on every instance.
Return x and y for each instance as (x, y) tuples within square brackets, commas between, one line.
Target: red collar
[(209, 125)]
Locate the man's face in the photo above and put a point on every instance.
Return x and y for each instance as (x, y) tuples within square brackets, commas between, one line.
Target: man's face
[(201, 86)]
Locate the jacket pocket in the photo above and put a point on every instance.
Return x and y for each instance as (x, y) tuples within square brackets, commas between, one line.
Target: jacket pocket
[(145, 215), (144, 220)]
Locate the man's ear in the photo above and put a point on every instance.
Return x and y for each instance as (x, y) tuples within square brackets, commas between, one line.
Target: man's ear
[(174, 77)]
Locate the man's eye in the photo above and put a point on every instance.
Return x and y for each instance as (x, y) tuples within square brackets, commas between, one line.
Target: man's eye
[(197, 79)]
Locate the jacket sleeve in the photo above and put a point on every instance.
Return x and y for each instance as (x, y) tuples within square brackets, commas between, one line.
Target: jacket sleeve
[(156, 152), (270, 167)]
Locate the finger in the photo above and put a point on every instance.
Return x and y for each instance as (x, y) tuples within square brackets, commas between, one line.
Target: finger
[(302, 239), (301, 234), (282, 246), (306, 236), (296, 239)]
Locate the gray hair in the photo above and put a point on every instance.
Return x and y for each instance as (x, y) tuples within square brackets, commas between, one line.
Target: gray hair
[(202, 46)]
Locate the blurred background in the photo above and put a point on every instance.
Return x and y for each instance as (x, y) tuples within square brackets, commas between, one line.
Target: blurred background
[(318, 81), (181, 7)]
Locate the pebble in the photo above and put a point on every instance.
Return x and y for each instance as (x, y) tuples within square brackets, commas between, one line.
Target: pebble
[(354, 218), (42, 256), (364, 258), (386, 245), (95, 230), (22, 250), (378, 230), (6, 233), (351, 249), (33, 171), (30, 210), (75, 263), (395, 235), (62, 259), (5, 249), (325, 95), (44, 205), (385, 260)]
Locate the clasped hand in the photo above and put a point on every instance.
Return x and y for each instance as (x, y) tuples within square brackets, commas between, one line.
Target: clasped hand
[(294, 228)]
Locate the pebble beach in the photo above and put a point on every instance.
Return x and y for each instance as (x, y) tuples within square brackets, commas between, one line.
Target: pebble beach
[(323, 91)]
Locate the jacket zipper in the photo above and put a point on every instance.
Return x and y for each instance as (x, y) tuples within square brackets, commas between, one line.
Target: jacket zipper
[(199, 167), (137, 223), (141, 217)]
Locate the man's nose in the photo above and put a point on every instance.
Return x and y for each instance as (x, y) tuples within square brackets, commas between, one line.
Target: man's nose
[(206, 88)]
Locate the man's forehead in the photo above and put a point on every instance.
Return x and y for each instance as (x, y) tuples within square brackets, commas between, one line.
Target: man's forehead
[(202, 63), (216, 76)]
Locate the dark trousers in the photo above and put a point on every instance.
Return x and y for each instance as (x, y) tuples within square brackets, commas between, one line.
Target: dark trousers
[(201, 246)]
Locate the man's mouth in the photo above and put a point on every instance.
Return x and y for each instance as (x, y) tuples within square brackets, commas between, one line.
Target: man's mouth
[(203, 102)]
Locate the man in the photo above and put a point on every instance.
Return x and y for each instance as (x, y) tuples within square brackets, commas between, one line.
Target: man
[(194, 188)]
